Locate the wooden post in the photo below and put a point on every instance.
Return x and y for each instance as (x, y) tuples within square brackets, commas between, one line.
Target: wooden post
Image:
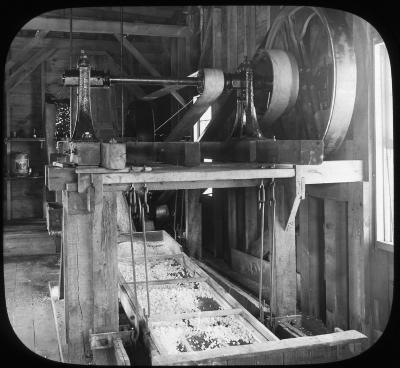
[(105, 265), (285, 255), (90, 268), (335, 214), (78, 283), (193, 222)]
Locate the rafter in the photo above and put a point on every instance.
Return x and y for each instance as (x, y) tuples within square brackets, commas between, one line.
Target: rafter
[(102, 26)]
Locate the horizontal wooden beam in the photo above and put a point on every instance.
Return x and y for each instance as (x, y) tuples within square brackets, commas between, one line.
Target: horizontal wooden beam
[(289, 346), (343, 171), (175, 153), (103, 26), (203, 172), (295, 152)]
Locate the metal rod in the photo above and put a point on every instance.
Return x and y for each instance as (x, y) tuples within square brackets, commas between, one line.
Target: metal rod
[(262, 208), (186, 81), (130, 193), (176, 113), (273, 263), (145, 256), (122, 87)]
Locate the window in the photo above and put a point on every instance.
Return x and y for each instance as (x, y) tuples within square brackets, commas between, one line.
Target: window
[(384, 179), (199, 127)]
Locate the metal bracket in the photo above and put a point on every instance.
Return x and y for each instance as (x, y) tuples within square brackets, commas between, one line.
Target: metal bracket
[(105, 340), (300, 194)]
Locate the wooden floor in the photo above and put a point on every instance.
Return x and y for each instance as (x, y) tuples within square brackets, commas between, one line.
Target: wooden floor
[(28, 303)]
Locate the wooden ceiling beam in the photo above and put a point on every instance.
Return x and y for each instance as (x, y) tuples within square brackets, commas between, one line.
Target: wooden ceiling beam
[(102, 26)]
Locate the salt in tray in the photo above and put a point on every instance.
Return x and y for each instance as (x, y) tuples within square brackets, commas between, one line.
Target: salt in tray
[(164, 269), (185, 297), (200, 334)]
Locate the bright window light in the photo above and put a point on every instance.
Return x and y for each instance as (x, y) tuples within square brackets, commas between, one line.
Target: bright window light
[(384, 178), (199, 127)]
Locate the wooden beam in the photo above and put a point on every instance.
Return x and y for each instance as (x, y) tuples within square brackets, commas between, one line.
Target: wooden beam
[(102, 26), (140, 58), (345, 171), (77, 253), (105, 264), (193, 223), (36, 41), (27, 68), (285, 259), (285, 347)]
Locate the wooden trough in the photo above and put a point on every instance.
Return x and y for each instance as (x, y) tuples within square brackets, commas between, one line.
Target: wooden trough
[(193, 320)]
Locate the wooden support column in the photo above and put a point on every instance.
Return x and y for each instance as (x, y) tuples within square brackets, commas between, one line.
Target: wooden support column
[(359, 243), (105, 266), (90, 270), (335, 214), (193, 222), (78, 282), (285, 256)]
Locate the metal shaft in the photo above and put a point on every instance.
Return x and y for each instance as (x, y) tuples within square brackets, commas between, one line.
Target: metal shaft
[(187, 81)]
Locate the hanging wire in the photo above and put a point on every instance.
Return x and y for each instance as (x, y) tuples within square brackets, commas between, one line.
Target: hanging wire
[(165, 122), (121, 67)]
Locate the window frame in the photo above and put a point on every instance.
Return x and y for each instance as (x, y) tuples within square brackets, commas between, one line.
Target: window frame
[(379, 244)]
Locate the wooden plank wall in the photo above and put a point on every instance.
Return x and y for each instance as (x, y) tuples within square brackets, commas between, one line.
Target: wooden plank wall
[(356, 282)]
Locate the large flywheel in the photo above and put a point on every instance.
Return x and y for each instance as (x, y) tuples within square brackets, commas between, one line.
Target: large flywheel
[(308, 64)]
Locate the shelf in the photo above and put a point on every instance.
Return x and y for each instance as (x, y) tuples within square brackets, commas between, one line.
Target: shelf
[(8, 140), (23, 177)]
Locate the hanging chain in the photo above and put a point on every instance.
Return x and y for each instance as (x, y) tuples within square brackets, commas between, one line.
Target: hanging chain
[(261, 206)]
